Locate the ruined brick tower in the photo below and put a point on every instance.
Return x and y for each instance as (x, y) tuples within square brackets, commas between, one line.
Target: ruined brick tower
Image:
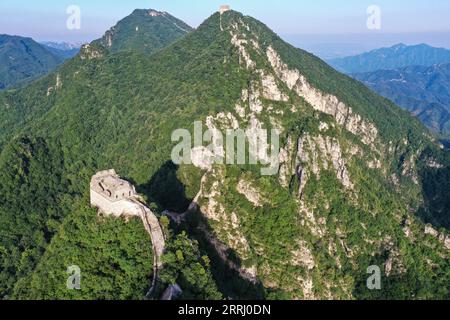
[(224, 8)]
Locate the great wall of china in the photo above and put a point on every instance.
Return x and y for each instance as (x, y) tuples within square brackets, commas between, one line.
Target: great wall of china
[(113, 196)]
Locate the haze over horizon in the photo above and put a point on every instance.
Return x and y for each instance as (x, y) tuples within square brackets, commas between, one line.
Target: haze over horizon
[(340, 30)]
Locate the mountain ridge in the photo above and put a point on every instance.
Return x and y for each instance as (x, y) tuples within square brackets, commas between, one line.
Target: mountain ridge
[(146, 30), (357, 182)]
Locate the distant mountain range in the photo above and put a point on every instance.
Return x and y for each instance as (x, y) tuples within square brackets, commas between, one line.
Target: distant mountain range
[(425, 91), (23, 60), (63, 49), (63, 46), (417, 78), (394, 57)]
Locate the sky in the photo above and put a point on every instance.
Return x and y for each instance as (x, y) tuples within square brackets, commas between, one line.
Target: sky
[(327, 25)]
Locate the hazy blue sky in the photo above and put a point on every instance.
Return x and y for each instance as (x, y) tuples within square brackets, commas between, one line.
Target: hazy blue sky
[(330, 21)]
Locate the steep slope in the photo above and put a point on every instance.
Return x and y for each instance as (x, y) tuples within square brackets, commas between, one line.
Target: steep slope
[(355, 173), (23, 60), (145, 31), (424, 91), (394, 57), (121, 256)]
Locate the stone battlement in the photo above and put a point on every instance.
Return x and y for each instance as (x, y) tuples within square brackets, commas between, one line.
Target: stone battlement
[(113, 196), (109, 185)]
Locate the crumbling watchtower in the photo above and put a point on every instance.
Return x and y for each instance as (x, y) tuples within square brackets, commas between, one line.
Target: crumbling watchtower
[(224, 8)]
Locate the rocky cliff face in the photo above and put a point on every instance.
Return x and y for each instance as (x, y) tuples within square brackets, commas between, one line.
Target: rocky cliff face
[(320, 167)]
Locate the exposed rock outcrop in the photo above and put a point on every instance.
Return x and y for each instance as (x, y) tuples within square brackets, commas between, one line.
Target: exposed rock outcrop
[(432, 163), (302, 256), (442, 237), (394, 264), (246, 189), (319, 152), (320, 101), (90, 52), (230, 236)]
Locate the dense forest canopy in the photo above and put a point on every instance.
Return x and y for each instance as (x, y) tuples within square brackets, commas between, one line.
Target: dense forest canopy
[(118, 110)]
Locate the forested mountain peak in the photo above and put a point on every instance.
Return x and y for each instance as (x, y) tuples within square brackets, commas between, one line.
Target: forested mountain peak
[(145, 30)]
